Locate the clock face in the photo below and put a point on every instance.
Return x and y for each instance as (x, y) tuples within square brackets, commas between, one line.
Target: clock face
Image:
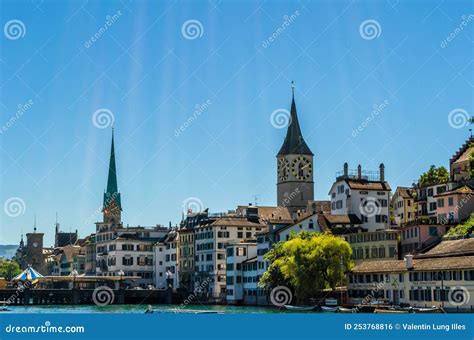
[(283, 169), (112, 210), (35, 244), (301, 168)]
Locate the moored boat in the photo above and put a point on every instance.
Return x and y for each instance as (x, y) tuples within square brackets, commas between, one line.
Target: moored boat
[(347, 310), (299, 308), (328, 309)]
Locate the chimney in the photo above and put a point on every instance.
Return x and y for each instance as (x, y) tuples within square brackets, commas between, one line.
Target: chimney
[(359, 172), (382, 172), (409, 261), (346, 169)]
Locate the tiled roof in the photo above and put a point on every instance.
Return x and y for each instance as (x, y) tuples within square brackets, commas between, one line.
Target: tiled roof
[(235, 221), (462, 151), (342, 219), (406, 192), (368, 185), (465, 190), (451, 247), (267, 212), (391, 266)]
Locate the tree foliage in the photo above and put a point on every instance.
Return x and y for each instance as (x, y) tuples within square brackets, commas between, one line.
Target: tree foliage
[(9, 269), (434, 175), (308, 262), (464, 229)]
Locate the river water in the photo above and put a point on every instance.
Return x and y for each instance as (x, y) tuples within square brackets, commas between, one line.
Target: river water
[(139, 309)]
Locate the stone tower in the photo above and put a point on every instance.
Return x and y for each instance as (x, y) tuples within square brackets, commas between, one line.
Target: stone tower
[(295, 186)]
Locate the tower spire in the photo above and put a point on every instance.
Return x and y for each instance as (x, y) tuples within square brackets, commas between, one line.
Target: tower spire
[(112, 194), (294, 143)]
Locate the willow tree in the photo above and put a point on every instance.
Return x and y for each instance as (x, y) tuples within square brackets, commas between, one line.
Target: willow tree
[(308, 263)]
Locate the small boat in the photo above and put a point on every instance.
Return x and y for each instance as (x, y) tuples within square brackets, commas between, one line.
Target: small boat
[(328, 309), (347, 310), (433, 310), (330, 302), (299, 308), (390, 311), (190, 311)]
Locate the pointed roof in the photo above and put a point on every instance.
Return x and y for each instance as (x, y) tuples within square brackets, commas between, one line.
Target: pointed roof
[(29, 274), (112, 193), (294, 142), (112, 179)]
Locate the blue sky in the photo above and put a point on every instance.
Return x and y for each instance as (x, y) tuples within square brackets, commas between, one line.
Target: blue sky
[(150, 76)]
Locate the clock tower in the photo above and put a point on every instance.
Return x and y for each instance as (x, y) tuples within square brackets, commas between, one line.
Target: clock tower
[(295, 186), (112, 207)]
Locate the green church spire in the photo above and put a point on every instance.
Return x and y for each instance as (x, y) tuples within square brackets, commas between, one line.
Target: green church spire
[(112, 194)]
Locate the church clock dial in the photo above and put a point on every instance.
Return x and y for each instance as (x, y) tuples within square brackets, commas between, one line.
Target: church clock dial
[(35, 244), (301, 168), (283, 169)]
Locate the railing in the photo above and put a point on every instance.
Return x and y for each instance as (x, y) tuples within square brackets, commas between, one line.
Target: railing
[(354, 174)]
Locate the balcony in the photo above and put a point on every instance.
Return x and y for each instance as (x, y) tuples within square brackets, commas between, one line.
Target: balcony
[(354, 174)]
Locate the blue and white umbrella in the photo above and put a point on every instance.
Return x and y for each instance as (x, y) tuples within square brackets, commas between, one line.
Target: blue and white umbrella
[(29, 274)]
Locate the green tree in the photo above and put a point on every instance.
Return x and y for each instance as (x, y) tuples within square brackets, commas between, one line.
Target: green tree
[(308, 263), (464, 229), (434, 175), (9, 269)]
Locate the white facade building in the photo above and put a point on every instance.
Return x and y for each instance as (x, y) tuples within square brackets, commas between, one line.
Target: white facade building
[(210, 242), (236, 255), (166, 261), (443, 277), (364, 194)]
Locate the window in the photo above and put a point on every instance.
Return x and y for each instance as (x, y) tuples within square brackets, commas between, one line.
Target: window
[(240, 234), (433, 231), (441, 202), (433, 206), (339, 204), (127, 261), (450, 201), (241, 251)]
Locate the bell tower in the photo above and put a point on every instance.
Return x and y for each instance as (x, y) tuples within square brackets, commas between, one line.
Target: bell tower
[(295, 186)]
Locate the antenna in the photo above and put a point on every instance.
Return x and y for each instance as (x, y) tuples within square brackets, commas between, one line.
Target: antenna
[(255, 199), (34, 229)]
